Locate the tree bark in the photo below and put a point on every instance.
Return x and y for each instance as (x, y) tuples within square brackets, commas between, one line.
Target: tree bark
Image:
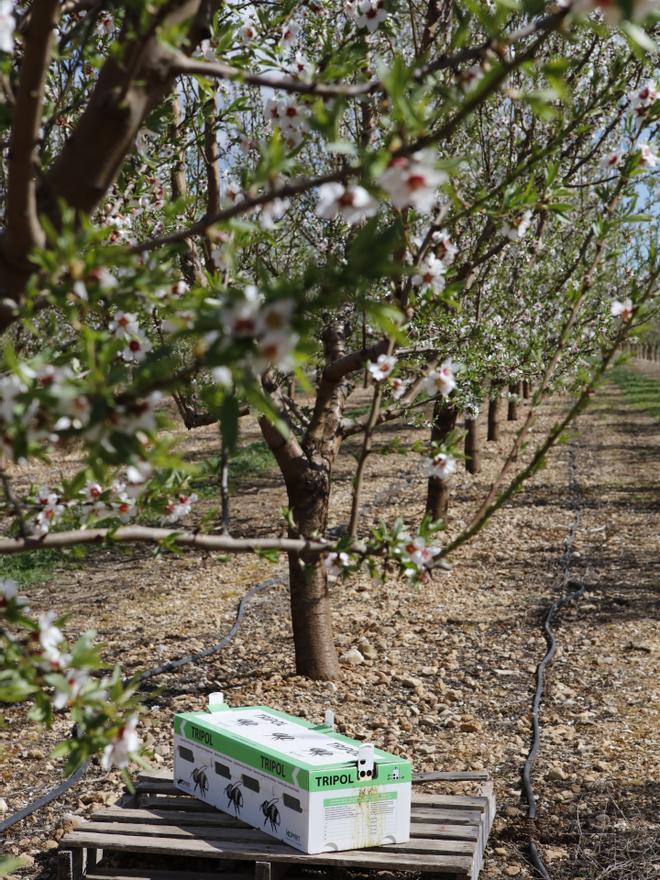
[(494, 410), (437, 492), (526, 389), (311, 611), (472, 446), (512, 413)]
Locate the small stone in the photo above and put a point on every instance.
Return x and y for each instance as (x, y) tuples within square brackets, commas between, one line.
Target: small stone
[(352, 657), (3, 806), (471, 726), (51, 844), (512, 870), (409, 682), (555, 853), (556, 774)]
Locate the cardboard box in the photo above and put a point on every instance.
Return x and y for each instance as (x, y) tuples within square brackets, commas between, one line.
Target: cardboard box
[(302, 783)]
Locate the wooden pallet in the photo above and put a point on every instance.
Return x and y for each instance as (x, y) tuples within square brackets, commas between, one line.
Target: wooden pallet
[(448, 838)]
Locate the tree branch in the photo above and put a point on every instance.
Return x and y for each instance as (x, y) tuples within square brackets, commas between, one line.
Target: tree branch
[(24, 231), (149, 535)]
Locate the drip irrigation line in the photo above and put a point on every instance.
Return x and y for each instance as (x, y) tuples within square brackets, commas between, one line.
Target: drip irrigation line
[(45, 799), (579, 588), (213, 649)]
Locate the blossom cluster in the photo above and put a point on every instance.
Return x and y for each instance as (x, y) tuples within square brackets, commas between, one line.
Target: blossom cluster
[(61, 675), (268, 325)]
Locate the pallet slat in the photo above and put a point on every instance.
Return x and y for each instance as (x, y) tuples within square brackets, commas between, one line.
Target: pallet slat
[(273, 852), (182, 818)]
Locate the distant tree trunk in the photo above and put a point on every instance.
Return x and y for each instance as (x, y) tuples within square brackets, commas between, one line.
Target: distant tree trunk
[(526, 389), (494, 410), (512, 413), (311, 612), (437, 493), (472, 446)]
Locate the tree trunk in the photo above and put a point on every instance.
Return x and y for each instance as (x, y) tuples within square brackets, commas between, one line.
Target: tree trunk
[(311, 612), (494, 409), (472, 446), (512, 413), (526, 389), (437, 493)]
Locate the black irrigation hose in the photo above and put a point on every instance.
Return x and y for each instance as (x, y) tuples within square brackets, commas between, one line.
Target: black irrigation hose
[(45, 799), (213, 649), (64, 786), (557, 605)]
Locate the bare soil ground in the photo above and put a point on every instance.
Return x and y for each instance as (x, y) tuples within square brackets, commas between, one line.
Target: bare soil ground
[(453, 678)]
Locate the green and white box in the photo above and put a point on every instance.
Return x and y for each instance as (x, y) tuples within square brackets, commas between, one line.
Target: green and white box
[(302, 783)]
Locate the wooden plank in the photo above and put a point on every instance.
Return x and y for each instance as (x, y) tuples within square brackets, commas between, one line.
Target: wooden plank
[(158, 874), (250, 835), (423, 814), (447, 830), (274, 852), (255, 838), (445, 776), (175, 817), (432, 814), (450, 801)]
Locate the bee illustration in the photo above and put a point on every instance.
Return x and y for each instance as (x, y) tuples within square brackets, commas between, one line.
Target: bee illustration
[(235, 796), (246, 722), (201, 780), (320, 753), (271, 813), (282, 736), (344, 747)]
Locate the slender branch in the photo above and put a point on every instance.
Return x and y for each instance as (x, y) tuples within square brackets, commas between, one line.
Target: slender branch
[(370, 427), (479, 522), (152, 535)]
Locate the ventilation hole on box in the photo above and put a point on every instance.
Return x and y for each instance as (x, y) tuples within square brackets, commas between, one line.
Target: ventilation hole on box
[(250, 782), (186, 754), (222, 770), (292, 803)]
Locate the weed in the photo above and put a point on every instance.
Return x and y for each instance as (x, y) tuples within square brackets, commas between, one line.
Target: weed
[(642, 392)]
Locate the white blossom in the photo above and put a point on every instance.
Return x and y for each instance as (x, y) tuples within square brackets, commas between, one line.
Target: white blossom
[(443, 247), (334, 564), (222, 376), (518, 226), (7, 25), (370, 14), (647, 157), (289, 34), (126, 743), (441, 381), (50, 637), (76, 680), (50, 513), (398, 387), (382, 367), (611, 160), (352, 203), (179, 507), (622, 309), (430, 273), (412, 182), (441, 466), (8, 590), (641, 99), (137, 348), (124, 325)]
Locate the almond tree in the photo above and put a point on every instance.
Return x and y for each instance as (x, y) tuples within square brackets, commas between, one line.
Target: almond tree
[(222, 197)]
